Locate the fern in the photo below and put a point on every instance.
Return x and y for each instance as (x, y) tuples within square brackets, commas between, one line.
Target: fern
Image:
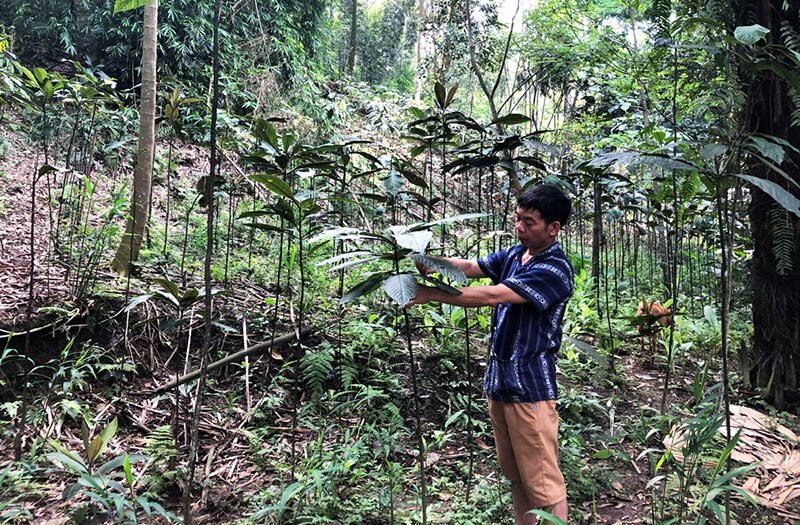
[(689, 186), (661, 14), (790, 37), (317, 365), (160, 447), (795, 96), (782, 239)]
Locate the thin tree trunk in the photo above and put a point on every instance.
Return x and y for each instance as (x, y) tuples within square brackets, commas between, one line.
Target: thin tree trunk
[(208, 314), (351, 47), (128, 250)]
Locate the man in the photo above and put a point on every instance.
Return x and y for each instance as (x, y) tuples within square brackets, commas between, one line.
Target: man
[(533, 281)]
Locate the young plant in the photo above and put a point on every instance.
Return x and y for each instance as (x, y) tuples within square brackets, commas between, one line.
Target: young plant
[(399, 243), (106, 497)]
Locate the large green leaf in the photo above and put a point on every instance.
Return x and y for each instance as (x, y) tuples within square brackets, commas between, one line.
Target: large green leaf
[(127, 5), (265, 227), (68, 460), (401, 288), (136, 301), (446, 268), (99, 443), (781, 196), (750, 34), (414, 241), (769, 149), (510, 119), (442, 285), (169, 286), (342, 256), (362, 288), (441, 94), (712, 150), (274, 184), (356, 262), (589, 350), (393, 183)]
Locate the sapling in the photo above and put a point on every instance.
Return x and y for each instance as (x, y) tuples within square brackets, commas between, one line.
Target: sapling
[(400, 243), (282, 159)]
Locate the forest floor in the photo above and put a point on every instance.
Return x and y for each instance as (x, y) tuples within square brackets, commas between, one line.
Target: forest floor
[(233, 465)]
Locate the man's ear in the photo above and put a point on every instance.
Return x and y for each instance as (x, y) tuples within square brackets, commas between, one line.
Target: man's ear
[(553, 228)]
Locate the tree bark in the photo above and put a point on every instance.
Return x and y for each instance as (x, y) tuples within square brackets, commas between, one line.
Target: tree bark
[(420, 52), (776, 294), (128, 250), (351, 47)]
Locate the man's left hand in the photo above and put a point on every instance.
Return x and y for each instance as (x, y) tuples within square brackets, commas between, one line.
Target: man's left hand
[(424, 295)]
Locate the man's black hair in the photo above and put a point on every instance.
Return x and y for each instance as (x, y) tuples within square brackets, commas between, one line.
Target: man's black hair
[(552, 203)]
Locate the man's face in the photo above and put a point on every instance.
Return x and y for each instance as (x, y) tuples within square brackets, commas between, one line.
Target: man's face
[(533, 231)]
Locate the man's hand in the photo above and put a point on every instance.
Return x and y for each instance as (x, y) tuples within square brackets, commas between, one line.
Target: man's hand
[(423, 270), (424, 295)]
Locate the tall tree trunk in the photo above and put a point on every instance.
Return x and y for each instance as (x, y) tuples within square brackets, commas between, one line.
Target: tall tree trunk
[(420, 51), (776, 291), (351, 46), (128, 250)]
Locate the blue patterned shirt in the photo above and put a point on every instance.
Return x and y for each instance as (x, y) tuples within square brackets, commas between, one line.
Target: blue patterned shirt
[(522, 361)]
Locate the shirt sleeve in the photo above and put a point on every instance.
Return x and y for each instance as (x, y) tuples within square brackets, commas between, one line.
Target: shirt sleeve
[(492, 264), (542, 284)]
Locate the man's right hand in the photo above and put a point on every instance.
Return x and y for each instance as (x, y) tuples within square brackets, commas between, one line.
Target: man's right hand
[(423, 270)]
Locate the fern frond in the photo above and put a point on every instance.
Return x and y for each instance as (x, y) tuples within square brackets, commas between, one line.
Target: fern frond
[(794, 95), (782, 245), (661, 14), (791, 38), (317, 365), (689, 186)]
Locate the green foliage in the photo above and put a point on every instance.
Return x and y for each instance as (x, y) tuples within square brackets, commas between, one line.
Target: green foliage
[(10, 509), (162, 454), (683, 469), (104, 497), (126, 5), (317, 365), (782, 239)]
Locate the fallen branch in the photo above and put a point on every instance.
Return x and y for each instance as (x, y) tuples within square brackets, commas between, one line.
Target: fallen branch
[(230, 358)]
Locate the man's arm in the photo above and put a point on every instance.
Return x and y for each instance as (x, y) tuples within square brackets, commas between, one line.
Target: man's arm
[(470, 268), (471, 296)]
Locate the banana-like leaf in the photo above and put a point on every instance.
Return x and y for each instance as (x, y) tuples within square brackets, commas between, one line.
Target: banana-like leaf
[(401, 288), (769, 149), (451, 94), (446, 268), (441, 94), (94, 449), (136, 301)]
